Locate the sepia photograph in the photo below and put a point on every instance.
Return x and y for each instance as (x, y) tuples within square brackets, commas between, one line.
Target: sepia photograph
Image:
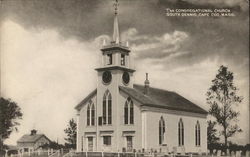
[(124, 78)]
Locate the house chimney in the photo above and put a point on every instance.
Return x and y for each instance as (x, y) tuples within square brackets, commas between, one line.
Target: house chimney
[(33, 132), (146, 85)]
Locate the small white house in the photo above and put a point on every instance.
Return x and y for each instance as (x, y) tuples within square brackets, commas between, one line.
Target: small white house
[(120, 115), (32, 141)]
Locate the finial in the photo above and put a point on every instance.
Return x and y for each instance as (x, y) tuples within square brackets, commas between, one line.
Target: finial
[(127, 44), (146, 81), (146, 85), (104, 42), (116, 4)]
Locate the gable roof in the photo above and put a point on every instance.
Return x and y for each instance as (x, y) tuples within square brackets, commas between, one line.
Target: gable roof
[(78, 107), (162, 99), (28, 138)]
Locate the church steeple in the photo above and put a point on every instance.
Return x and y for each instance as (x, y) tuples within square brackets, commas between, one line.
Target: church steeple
[(116, 69), (116, 34)]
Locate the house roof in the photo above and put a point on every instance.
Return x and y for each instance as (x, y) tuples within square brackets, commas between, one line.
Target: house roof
[(162, 99), (28, 138)]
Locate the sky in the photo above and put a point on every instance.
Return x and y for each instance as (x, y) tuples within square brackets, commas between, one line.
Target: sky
[(49, 50)]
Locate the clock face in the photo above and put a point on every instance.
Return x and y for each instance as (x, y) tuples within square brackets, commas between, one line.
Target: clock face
[(125, 77), (106, 77)]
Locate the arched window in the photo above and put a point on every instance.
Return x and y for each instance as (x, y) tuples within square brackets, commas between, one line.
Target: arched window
[(107, 108), (129, 112), (197, 134), (90, 114), (180, 133), (161, 130), (93, 115), (126, 113)]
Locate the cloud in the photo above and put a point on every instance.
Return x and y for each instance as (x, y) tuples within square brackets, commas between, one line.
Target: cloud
[(46, 75), (156, 47)]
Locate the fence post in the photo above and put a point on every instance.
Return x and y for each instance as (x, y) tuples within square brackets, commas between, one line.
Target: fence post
[(86, 154), (19, 152), (6, 153), (102, 154)]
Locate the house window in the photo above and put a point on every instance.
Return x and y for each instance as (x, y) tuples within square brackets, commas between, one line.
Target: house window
[(122, 59), (161, 130), (197, 134), (180, 133), (109, 58), (129, 112), (107, 140), (107, 108), (91, 114)]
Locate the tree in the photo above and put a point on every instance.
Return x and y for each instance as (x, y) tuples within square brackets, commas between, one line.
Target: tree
[(222, 98), (71, 133), (10, 114), (211, 133)]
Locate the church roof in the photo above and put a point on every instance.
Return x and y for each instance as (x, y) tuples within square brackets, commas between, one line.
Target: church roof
[(28, 138), (78, 107), (162, 99), (156, 97)]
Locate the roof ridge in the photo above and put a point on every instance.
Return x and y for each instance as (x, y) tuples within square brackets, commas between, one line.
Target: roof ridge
[(157, 88)]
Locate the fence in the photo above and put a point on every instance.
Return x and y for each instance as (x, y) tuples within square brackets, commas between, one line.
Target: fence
[(150, 154), (127, 154), (40, 153), (67, 153)]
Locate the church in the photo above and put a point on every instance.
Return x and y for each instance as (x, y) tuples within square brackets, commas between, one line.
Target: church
[(122, 116)]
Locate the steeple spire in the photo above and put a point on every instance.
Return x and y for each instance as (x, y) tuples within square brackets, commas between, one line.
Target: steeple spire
[(116, 34)]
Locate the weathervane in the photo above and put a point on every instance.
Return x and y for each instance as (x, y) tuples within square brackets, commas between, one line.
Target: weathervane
[(116, 4)]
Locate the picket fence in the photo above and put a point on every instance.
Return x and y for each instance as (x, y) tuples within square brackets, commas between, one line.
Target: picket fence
[(67, 153)]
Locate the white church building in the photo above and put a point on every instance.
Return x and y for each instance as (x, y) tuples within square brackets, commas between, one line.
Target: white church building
[(119, 115)]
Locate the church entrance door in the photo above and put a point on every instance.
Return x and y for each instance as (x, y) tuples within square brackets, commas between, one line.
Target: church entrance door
[(129, 143), (90, 144)]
